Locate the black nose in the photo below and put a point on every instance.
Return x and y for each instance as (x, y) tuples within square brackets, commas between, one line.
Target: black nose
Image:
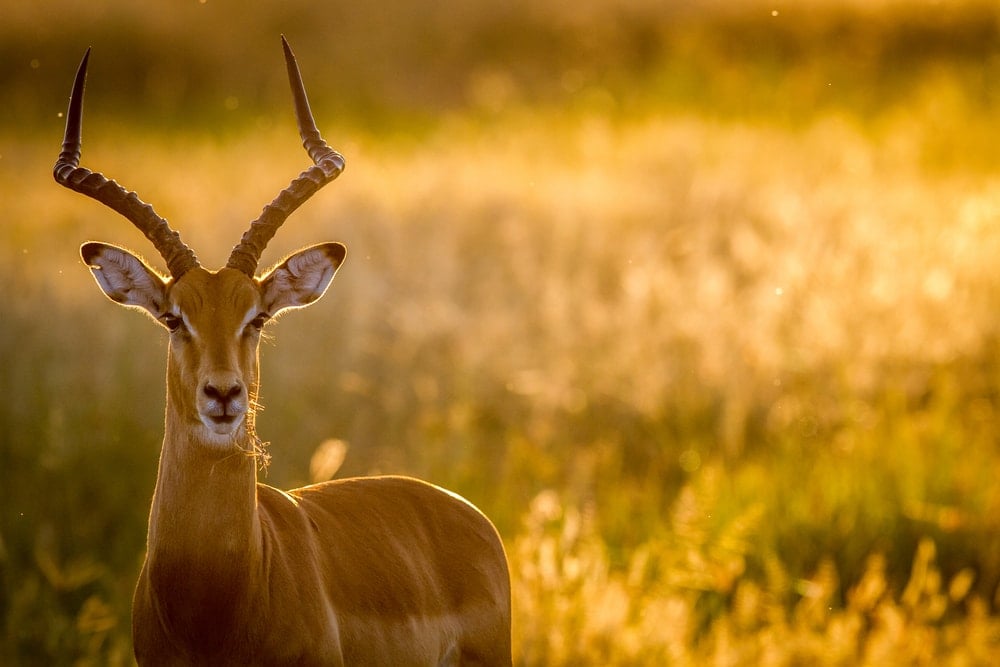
[(222, 394)]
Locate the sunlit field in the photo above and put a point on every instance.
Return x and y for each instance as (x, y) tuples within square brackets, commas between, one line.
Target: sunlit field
[(711, 334)]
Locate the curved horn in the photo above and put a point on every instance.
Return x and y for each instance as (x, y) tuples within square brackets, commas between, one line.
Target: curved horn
[(95, 185), (328, 164)]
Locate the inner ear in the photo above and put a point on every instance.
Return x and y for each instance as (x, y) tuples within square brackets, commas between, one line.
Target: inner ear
[(125, 278), (302, 277)]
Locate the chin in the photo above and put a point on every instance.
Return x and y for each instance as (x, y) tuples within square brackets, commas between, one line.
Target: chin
[(221, 435)]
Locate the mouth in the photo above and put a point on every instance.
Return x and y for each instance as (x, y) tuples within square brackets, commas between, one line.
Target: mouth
[(222, 424)]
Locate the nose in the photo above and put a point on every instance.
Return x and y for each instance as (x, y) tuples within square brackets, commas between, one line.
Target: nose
[(223, 402), (223, 393)]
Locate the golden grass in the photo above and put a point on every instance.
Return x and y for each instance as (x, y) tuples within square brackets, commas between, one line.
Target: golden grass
[(574, 608), (723, 386), (707, 328)]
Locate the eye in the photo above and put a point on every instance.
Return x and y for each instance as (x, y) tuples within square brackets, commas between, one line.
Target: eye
[(171, 321), (259, 321)]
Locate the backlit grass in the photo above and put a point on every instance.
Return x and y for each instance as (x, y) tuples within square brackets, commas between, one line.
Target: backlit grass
[(714, 343), (746, 400)]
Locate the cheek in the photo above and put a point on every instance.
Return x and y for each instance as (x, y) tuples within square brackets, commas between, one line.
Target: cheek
[(187, 355), (184, 362), (248, 357)]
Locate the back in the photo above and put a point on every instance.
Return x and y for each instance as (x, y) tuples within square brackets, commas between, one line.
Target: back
[(403, 555)]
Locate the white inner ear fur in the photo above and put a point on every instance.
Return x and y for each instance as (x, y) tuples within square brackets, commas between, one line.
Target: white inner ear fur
[(301, 278), (125, 279)]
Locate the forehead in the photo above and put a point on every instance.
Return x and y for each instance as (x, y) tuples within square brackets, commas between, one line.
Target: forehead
[(214, 293)]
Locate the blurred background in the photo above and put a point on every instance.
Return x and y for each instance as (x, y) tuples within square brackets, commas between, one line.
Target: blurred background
[(697, 300)]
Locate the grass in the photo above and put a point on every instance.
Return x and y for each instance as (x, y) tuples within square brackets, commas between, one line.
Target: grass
[(723, 373)]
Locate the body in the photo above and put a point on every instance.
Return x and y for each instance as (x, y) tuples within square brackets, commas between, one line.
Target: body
[(381, 570), (389, 607)]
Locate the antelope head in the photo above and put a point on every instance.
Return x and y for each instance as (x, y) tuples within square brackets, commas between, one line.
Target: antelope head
[(214, 317)]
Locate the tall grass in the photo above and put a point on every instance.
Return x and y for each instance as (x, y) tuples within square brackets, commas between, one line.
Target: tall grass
[(724, 376), (693, 394)]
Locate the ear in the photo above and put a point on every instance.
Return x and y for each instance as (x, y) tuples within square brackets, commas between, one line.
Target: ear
[(302, 277), (125, 278)]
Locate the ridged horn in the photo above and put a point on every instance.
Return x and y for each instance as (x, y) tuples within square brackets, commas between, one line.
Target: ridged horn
[(69, 173), (327, 165)]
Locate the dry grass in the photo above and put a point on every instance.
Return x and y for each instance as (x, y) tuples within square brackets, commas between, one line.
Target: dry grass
[(665, 606), (723, 375), (718, 383)]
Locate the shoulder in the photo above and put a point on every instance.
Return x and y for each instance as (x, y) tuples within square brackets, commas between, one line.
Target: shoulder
[(397, 495), (395, 488)]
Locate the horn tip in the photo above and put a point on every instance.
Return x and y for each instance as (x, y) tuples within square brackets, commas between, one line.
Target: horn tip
[(81, 71)]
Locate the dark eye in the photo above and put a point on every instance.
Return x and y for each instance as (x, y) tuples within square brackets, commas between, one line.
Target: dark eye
[(171, 321), (259, 321)]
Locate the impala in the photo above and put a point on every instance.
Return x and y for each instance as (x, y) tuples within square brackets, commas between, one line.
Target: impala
[(377, 570)]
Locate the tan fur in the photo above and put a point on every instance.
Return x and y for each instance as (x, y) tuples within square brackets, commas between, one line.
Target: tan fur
[(381, 570)]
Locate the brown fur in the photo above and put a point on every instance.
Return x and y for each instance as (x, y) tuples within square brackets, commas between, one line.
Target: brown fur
[(379, 570)]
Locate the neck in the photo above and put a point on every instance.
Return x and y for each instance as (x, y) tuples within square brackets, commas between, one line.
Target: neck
[(205, 495), (204, 541)]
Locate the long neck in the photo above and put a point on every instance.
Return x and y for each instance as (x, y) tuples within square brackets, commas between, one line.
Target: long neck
[(204, 504), (204, 543)]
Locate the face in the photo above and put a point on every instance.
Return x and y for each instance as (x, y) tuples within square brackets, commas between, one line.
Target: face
[(215, 322)]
